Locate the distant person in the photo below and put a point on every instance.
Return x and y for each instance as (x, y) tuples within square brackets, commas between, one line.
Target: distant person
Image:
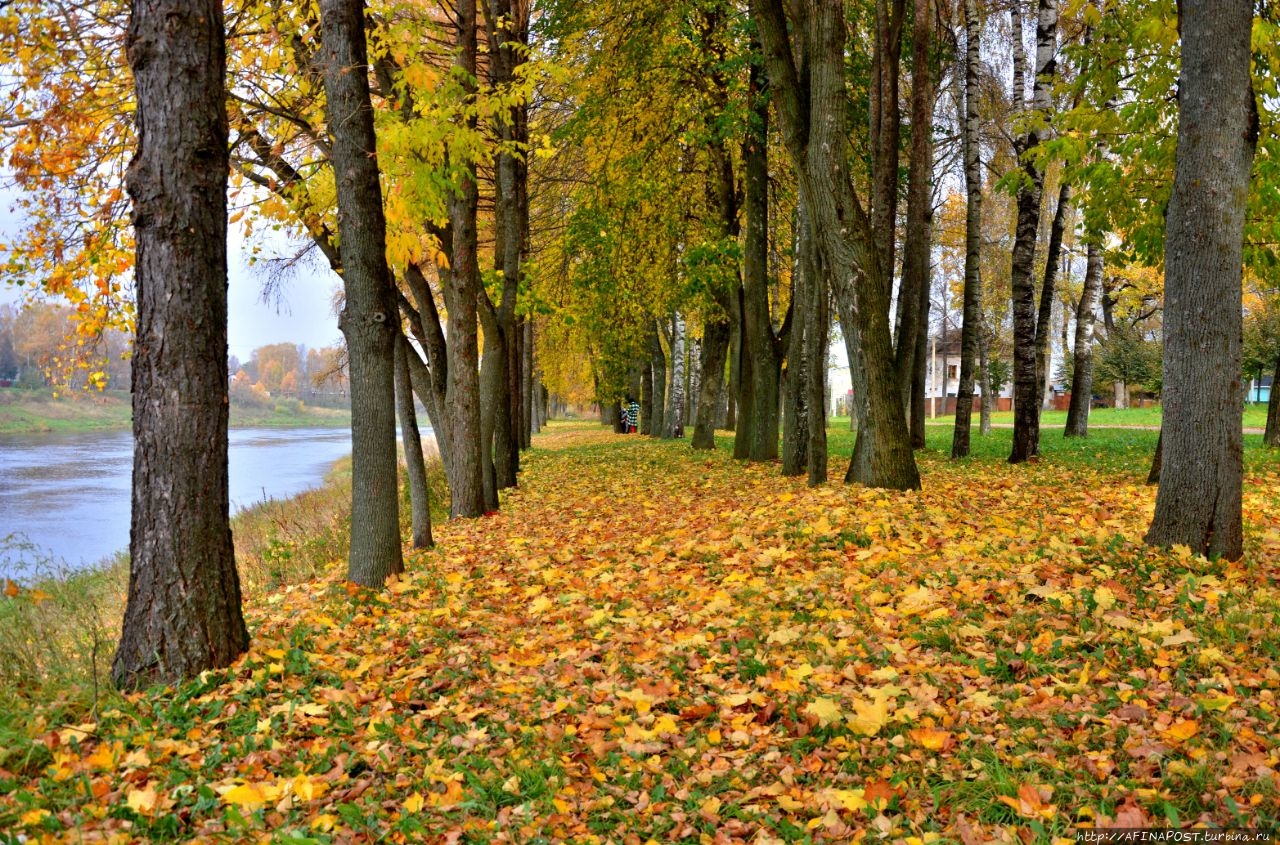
[(633, 413)]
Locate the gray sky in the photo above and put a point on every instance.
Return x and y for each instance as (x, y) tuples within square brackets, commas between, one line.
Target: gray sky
[(302, 313)]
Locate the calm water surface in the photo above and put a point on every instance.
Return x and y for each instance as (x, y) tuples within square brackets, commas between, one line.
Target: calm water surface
[(68, 494)]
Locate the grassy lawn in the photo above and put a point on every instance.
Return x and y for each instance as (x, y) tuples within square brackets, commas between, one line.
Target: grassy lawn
[(35, 411)]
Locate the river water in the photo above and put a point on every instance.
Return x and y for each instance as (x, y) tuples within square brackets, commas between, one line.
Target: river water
[(67, 495)]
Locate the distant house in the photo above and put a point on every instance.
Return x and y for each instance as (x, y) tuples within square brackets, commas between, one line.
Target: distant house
[(1259, 390)]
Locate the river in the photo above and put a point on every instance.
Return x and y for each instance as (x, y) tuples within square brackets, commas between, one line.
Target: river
[(67, 495)]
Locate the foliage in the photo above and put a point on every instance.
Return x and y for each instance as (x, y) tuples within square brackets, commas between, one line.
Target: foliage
[(1126, 355), (649, 644)]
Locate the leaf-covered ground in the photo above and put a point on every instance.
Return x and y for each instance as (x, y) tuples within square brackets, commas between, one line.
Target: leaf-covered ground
[(649, 644)]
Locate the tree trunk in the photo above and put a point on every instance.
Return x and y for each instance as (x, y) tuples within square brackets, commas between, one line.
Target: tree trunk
[(797, 432), (674, 414), (817, 329), (814, 120), (1271, 436), (984, 379), (760, 344), (461, 288), (1026, 396), (527, 415), (1048, 290), (369, 320), (915, 251), (492, 398), (691, 375), (886, 130), (183, 612), (646, 397), (415, 462), (972, 325), (658, 365), (715, 348), (919, 372), (1082, 368), (1199, 501)]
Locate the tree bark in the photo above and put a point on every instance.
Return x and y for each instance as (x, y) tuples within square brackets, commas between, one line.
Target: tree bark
[(658, 366), (915, 251), (886, 130), (817, 330), (415, 461), (971, 328), (183, 612), (813, 119), (527, 416), (760, 344), (1082, 368), (1048, 289), (1026, 397), (461, 288), (715, 349), (369, 320), (1199, 500), (1271, 435), (674, 415)]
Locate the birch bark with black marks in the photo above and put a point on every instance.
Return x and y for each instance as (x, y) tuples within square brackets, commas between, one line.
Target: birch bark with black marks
[(1026, 401), (1082, 367), (971, 328)]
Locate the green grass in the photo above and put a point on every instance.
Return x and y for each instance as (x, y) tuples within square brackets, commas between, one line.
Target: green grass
[(35, 411), (1255, 416)]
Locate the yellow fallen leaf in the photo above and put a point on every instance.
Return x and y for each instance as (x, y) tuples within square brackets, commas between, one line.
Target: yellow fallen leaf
[(248, 796), (414, 803), (1104, 598), (869, 716), (826, 710), (142, 800), (1182, 730), (540, 605), (846, 799), (930, 738)]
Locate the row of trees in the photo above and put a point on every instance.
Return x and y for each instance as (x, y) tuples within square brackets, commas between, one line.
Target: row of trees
[(645, 183), (41, 347)]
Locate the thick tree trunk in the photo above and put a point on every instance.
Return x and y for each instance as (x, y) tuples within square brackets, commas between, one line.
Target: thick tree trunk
[(1082, 368), (797, 432), (814, 119), (1199, 501), (461, 288), (760, 345), (1271, 436), (915, 251), (971, 328), (715, 349), (1026, 396), (183, 612), (817, 330), (369, 319), (1048, 289), (415, 461), (674, 415)]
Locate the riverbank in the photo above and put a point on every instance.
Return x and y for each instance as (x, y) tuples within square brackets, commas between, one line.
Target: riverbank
[(35, 411)]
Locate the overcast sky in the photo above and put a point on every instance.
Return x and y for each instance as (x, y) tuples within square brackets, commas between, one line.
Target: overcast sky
[(302, 314)]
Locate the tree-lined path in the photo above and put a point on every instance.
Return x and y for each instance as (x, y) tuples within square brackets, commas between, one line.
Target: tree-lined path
[(651, 644)]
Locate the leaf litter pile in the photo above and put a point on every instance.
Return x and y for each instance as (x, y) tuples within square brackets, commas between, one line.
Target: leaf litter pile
[(650, 644)]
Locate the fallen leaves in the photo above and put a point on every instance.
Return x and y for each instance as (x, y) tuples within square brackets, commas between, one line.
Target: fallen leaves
[(615, 658)]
